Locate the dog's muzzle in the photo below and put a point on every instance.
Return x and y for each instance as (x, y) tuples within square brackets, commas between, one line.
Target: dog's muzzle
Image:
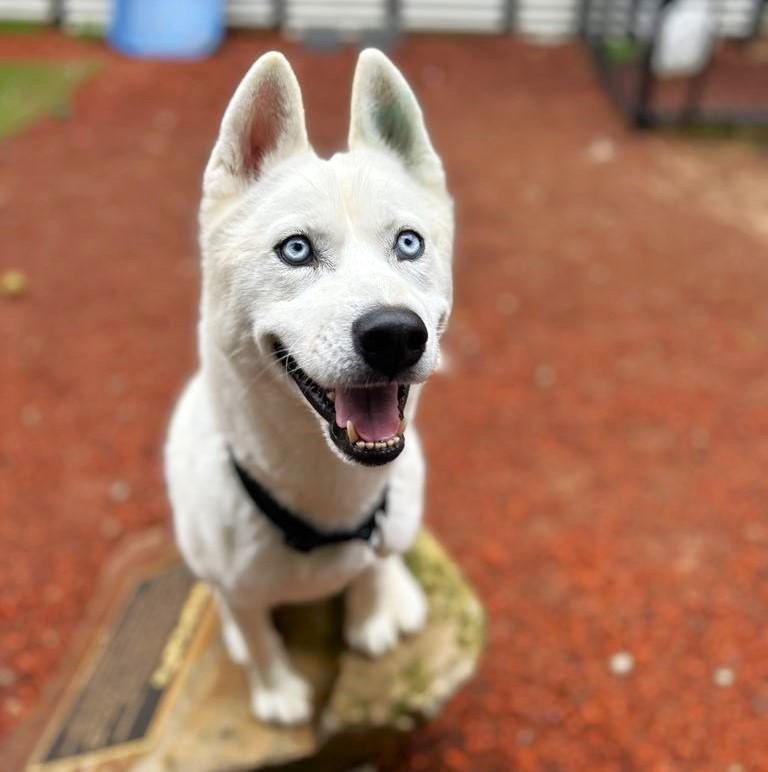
[(367, 422)]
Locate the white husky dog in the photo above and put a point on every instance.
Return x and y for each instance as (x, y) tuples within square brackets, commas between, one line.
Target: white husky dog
[(326, 288)]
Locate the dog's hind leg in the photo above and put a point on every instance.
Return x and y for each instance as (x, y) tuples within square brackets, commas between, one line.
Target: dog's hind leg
[(278, 693), (383, 602)]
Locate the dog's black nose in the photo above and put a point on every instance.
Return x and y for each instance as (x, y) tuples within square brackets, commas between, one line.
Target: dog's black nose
[(390, 339)]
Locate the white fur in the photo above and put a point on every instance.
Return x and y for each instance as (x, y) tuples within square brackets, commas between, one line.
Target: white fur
[(263, 183)]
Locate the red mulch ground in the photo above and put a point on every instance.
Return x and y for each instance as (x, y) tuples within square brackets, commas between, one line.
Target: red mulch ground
[(602, 475)]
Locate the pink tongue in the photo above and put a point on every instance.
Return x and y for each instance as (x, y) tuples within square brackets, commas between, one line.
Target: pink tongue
[(373, 411)]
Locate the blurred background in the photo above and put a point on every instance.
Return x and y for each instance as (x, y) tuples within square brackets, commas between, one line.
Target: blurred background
[(599, 446)]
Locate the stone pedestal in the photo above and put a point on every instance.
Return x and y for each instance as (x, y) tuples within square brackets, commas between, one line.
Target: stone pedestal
[(175, 703)]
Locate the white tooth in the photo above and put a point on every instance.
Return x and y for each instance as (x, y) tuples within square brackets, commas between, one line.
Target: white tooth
[(403, 423), (397, 440), (360, 444), (331, 395), (390, 442), (369, 446), (352, 432), (381, 445)]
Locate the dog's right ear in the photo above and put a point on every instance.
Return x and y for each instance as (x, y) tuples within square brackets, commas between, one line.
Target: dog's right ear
[(263, 123)]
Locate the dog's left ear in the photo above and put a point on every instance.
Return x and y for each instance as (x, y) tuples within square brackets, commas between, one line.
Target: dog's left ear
[(386, 116)]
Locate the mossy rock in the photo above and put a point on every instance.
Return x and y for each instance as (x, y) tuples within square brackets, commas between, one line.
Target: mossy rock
[(366, 708)]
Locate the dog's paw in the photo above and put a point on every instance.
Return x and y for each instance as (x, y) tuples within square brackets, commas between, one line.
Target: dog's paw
[(375, 635), (399, 607), (287, 701)]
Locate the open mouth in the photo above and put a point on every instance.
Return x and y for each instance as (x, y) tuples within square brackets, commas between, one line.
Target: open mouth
[(367, 423)]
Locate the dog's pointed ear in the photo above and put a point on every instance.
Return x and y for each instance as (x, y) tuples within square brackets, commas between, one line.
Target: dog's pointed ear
[(385, 115), (263, 123)]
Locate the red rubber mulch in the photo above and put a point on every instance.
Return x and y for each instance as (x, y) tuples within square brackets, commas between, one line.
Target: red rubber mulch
[(598, 454)]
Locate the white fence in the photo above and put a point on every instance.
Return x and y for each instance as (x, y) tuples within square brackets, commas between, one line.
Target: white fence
[(537, 18), (26, 10), (454, 15)]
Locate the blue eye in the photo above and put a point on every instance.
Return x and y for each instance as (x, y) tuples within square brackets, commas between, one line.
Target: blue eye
[(409, 245), (296, 250)]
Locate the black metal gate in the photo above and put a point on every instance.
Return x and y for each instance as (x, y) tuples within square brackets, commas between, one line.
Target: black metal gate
[(681, 61)]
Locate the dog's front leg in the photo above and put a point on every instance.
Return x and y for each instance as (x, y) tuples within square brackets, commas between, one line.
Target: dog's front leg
[(278, 693), (381, 603)]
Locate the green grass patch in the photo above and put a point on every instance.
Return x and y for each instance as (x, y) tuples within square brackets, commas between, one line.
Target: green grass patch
[(622, 51), (87, 32), (14, 27), (753, 136), (29, 90)]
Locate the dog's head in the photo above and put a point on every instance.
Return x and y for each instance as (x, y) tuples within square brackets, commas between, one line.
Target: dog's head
[(338, 271)]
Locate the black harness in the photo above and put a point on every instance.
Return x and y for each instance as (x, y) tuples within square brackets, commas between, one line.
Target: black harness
[(297, 532)]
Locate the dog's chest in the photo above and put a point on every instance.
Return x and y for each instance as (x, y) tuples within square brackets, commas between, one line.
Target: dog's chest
[(279, 574)]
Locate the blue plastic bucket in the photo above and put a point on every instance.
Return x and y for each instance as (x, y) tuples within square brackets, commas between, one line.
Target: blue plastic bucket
[(174, 29)]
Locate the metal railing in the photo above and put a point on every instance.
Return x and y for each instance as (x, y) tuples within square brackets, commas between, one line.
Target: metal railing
[(644, 70)]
